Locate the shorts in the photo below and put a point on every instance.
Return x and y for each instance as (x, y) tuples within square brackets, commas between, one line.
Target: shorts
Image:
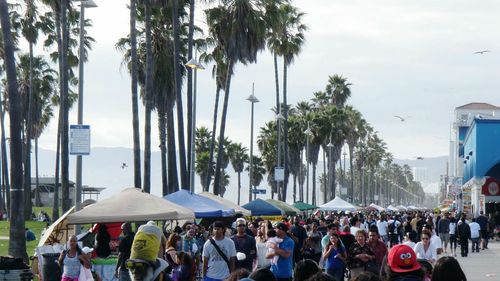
[(445, 237)]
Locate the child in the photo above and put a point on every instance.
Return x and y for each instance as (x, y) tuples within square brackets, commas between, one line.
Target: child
[(272, 239)]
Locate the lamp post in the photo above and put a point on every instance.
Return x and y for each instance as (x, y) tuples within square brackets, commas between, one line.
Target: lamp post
[(195, 65), (279, 118), (252, 99), (308, 133), (81, 55), (330, 172)]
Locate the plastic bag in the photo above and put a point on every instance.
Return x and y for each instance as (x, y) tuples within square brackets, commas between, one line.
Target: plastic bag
[(85, 274)]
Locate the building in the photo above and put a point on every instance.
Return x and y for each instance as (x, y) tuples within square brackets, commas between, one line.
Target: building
[(46, 186), (474, 157)]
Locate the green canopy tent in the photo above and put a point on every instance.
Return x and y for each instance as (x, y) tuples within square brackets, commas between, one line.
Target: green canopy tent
[(287, 209), (304, 206)]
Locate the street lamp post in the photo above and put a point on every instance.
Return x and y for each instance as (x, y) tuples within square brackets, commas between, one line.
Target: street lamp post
[(195, 65), (279, 118), (330, 172), (78, 188), (308, 133), (252, 99)]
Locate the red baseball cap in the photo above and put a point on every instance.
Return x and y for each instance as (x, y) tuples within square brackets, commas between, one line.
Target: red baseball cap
[(402, 258)]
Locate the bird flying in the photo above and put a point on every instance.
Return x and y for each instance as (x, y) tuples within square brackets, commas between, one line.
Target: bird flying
[(481, 52), (420, 158), (400, 118), (124, 165)]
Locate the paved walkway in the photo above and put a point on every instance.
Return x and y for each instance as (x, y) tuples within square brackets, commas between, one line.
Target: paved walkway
[(484, 265)]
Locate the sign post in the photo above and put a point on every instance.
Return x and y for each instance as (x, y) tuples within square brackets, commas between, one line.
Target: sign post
[(79, 140)]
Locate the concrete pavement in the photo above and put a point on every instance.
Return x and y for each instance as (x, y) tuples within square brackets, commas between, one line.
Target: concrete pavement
[(482, 266)]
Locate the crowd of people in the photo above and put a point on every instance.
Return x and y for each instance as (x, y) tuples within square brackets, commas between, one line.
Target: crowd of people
[(326, 246)]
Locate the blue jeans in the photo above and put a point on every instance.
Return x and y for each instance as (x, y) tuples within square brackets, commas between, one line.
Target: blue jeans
[(211, 279), (475, 244), (336, 273)]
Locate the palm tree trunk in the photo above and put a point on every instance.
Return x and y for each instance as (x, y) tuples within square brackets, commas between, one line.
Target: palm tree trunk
[(55, 207), (65, 105), (301, 184), (37, 191), (148, 97), (218, 164), (162, 126), (28, 204), (173, 179), (5, 163), (178, 83), (212, 140), (135, 103), (351, 189), (332, 183), (294, 188), (313, 197), (285, 129), (190, 81), (17, 242), (239, 187), (147, 149)]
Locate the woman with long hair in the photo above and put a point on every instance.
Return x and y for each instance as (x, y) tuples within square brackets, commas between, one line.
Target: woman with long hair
[(335, 257), (71, 259), (448, 268), (453, 236), (173, 243)]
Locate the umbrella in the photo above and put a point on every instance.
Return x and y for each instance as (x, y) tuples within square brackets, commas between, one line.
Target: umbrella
[(259, 207)]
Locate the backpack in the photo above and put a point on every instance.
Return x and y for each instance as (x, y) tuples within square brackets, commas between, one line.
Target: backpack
[(392, 227)]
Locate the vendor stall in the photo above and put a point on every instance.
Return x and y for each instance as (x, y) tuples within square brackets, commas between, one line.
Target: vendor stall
[(288, 209), (337, 204), (259, 207), (227, 203), (202, 206), (304, 206)]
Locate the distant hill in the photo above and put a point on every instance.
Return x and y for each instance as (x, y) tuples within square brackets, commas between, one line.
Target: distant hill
[(103, 168)]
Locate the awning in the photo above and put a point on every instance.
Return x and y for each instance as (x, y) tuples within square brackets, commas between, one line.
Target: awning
[(227, 203), (288, 209), (259, 207), (304, 206), (130, 205), (202, 206), (337, 204)]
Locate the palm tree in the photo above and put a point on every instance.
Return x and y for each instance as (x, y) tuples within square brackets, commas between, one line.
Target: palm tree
[(178, 93), (30, 26), (258, 171), (36, 82), (239, 157), (356, 125), (133, 86), (17, 242), (266, 142), (239, 30), (338, 90), (287, 41), (204, 168), (223, 183)]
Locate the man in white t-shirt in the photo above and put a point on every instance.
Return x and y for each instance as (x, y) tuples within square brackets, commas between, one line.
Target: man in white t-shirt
[(475, 235), (382, 229), (215, 268)]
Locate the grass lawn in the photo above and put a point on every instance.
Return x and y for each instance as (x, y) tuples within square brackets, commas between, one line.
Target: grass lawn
[(35, 226)]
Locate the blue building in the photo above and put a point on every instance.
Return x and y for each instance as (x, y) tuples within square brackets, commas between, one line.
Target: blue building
[(481, 164)]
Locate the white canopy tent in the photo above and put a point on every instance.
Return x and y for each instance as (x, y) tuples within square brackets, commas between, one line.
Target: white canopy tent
[(376, 207), (130, 205), (337, 204), (392, 208), (401, 207), (227, 203)]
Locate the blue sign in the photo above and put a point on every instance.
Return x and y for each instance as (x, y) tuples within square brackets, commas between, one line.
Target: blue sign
[(259, 191)]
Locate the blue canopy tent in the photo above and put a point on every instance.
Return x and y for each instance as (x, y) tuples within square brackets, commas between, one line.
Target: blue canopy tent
[(202, 207), (259, 207)]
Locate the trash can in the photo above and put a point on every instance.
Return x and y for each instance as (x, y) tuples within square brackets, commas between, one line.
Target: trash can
[(16, 274), (51, 270)]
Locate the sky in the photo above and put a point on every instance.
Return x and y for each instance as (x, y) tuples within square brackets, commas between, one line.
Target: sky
[(412, 58)]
